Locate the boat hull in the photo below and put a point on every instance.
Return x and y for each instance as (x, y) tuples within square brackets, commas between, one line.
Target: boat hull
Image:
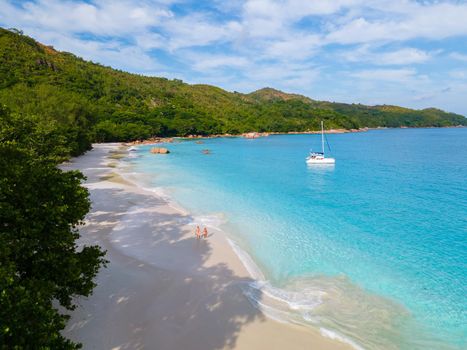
[(320, 161)]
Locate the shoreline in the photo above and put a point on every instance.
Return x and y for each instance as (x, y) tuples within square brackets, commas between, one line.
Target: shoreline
[(163, 288), (257, 134)]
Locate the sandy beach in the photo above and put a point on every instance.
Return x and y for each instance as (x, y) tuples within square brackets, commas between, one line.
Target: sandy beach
[(163, 289)]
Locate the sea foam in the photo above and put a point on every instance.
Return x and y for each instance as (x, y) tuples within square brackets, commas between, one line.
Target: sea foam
[(371, 251)]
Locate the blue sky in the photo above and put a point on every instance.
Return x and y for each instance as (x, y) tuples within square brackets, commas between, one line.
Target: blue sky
[(409, 53)]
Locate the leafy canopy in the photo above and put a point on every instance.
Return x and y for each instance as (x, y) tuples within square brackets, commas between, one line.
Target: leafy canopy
[(97, 103), (41, 208)]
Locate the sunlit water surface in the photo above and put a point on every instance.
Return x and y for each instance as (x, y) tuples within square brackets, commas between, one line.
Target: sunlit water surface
[(372, 250)]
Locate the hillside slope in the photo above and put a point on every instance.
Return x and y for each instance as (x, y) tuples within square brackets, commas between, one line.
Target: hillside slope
[(97, 103)]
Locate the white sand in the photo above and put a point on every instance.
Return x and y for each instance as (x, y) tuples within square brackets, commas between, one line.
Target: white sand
[(163, 289)]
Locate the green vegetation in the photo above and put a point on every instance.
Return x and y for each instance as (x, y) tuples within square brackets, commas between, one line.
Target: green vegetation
[(56, 105), (41, 207), (96, 103)]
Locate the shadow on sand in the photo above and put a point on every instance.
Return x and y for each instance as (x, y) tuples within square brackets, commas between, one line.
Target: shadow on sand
[(158, 292)]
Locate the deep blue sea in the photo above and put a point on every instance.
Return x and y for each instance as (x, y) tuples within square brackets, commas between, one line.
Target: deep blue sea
[(372, 250)]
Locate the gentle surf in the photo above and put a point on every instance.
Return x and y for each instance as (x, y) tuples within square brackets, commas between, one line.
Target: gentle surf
[(371, 251)]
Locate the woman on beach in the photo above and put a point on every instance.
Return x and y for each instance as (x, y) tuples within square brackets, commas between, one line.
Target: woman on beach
[(198, 232), (205, 233)]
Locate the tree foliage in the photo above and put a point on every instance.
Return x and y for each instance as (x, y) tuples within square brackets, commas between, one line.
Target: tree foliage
[(59, 104), (99, 103), (41, 207)]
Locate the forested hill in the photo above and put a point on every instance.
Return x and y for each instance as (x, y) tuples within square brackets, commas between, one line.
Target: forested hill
[(91, 102)]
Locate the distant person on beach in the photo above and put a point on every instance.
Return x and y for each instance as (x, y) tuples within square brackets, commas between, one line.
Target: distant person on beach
[(205, 233), (198, 232)]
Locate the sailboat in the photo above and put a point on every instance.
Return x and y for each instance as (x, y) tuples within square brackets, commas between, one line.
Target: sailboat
[(319, 157)]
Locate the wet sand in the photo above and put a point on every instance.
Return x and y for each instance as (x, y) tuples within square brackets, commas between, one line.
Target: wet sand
[(163, 288)]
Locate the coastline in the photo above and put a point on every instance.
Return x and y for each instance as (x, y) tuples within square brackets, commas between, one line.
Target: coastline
[(186, 293), (257, 134)]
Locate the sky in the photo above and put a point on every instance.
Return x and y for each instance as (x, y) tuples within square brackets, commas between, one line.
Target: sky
[(402, 52)]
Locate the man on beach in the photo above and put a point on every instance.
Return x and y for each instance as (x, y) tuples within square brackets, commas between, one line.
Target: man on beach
[(198, 232)]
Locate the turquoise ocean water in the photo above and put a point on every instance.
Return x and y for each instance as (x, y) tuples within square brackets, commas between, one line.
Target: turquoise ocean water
[(372, 250)]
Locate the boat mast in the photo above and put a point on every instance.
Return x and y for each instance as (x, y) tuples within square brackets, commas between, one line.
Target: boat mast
[(322, 136)]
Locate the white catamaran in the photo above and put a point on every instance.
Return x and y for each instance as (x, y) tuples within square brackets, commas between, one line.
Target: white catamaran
[(318, 157)]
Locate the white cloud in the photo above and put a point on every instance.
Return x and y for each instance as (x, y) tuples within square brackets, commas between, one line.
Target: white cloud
[(275, 18), (111, 52), (432, 21), (295, 48), (403, 56), (458, 56), (460, 74), (285, 75), (388, 75), (113, 30), (205, 63), (342, 46), (110, 18), (148, 41), (196, 30), (293, 10)]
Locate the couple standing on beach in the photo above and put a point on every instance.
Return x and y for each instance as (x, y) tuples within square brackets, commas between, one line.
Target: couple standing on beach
[(198, 232)]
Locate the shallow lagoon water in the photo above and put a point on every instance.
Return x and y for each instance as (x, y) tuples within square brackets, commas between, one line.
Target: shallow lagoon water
[(372, 250)]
